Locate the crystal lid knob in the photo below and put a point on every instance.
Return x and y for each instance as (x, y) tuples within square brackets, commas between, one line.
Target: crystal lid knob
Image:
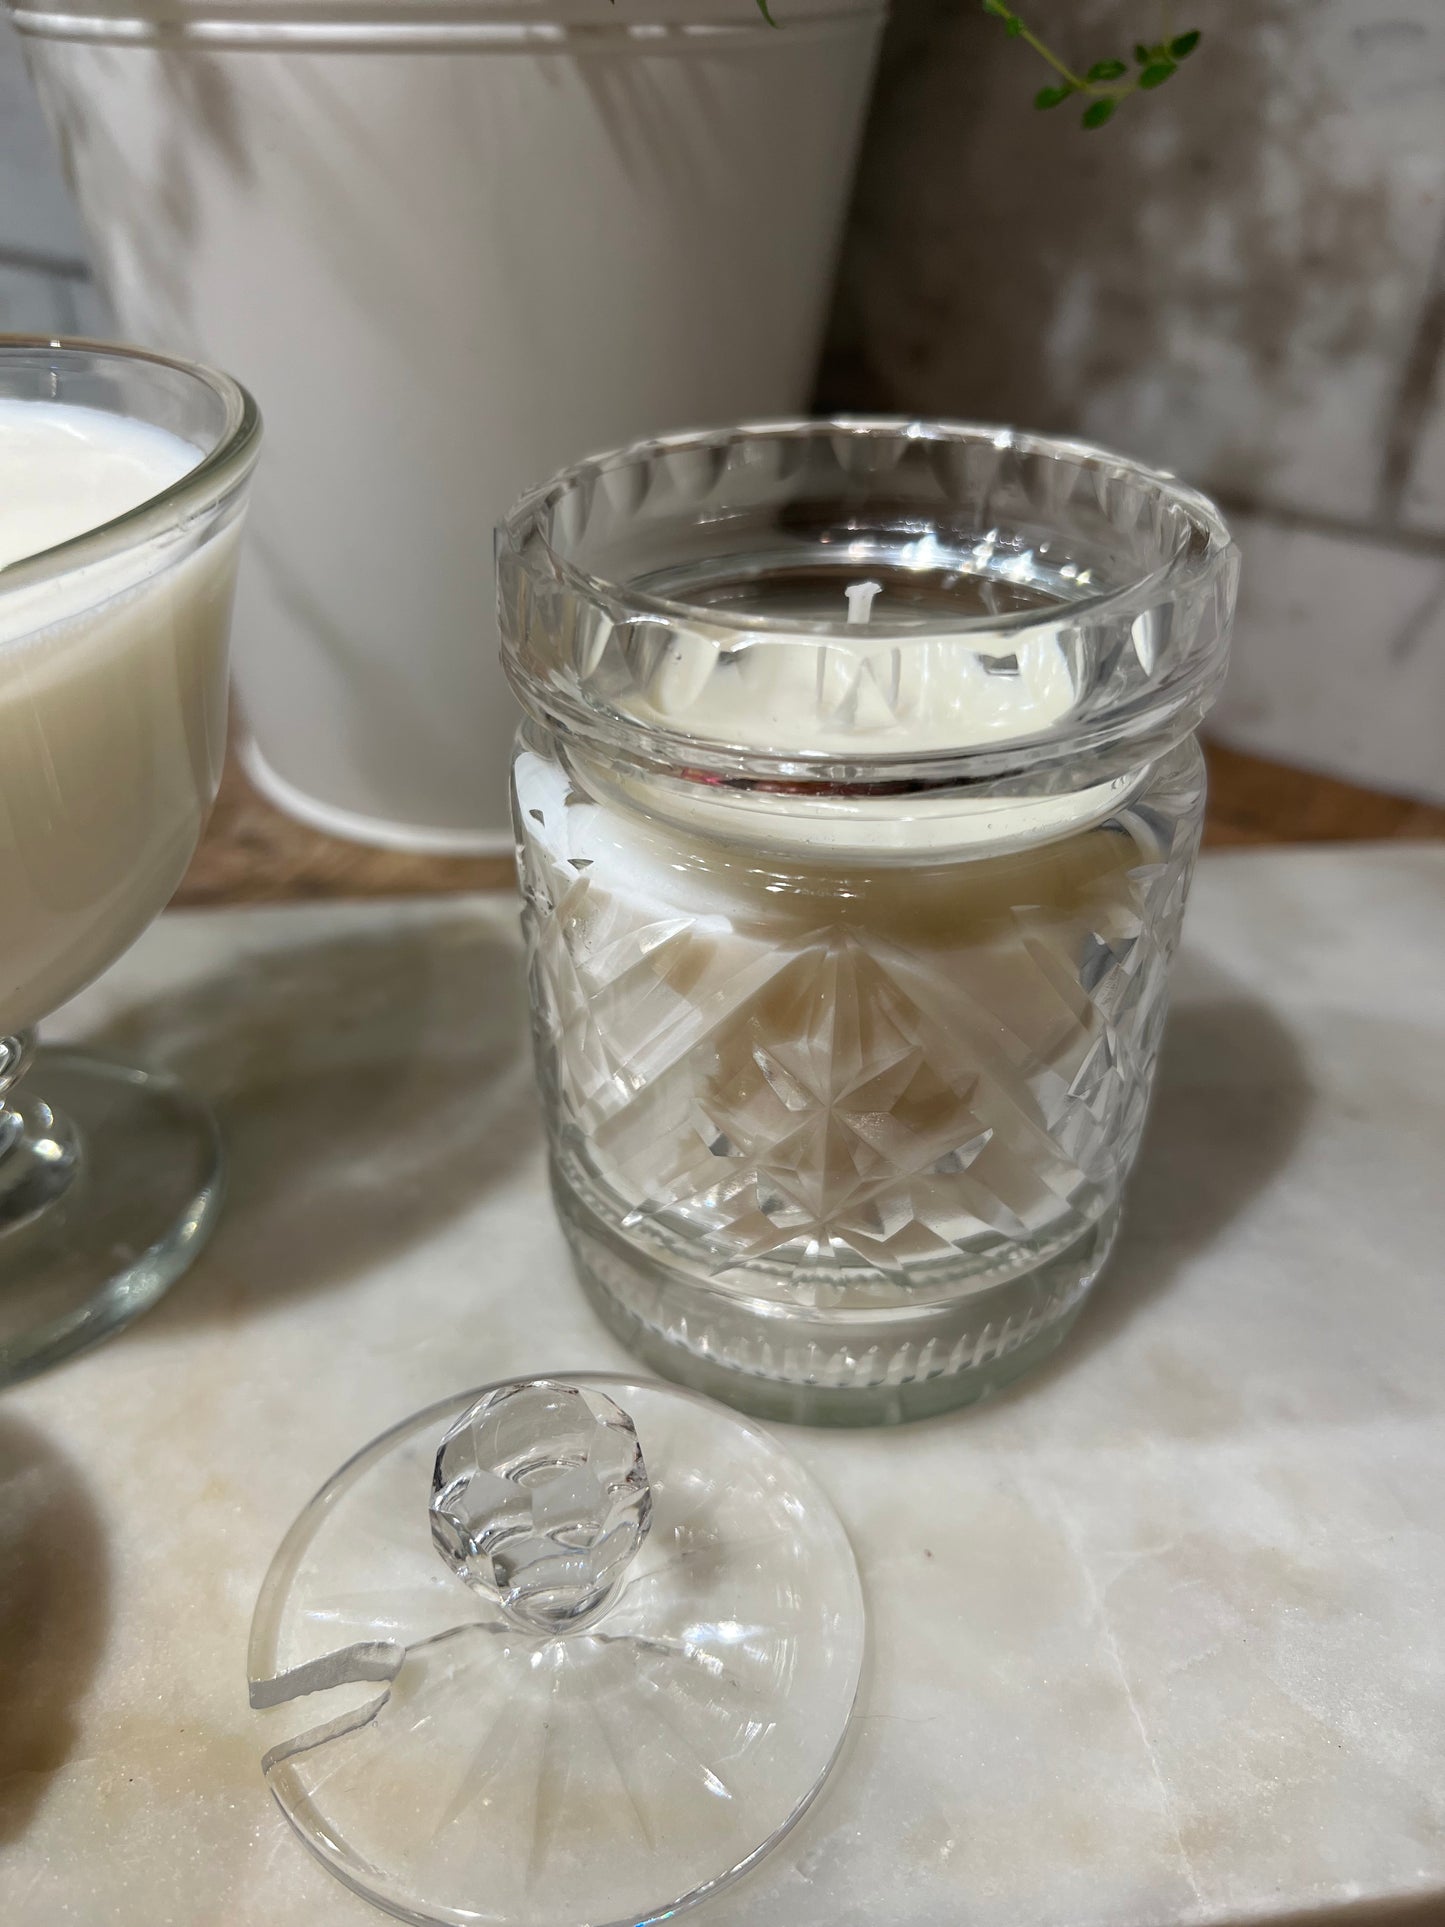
[(540, 1499)]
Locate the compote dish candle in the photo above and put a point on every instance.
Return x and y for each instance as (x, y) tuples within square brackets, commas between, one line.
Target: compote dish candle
[(122, 484), (112, 718), (856, 805)]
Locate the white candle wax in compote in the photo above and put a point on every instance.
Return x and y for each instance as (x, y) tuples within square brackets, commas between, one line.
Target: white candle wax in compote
[(112, 700), (838, 1026), (66, 470)]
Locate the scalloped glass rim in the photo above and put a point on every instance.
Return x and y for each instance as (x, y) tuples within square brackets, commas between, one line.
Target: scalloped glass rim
[(1149, 651), (1179, 573)]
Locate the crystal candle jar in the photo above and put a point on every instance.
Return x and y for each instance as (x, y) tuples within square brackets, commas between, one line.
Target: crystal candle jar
[(856, 804)]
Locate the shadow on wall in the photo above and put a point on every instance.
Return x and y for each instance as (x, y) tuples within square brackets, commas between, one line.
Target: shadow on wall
[(1193, 282)]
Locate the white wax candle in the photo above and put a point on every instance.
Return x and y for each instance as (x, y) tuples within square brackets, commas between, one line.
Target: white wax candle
[(762, 689), (112, 700)]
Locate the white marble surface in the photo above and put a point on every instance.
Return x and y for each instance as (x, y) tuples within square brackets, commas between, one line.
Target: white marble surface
[(1155, 1638)]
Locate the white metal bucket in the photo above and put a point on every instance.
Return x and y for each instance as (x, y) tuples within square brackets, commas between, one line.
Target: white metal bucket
[(449, 247)]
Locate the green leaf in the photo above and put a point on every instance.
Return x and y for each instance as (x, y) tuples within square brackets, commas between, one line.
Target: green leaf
[(1107, 70), (1183, 45), (1142, 54), (1013, 26), (1098, 111), (1157, 72), (763, 10), (1051, 96)]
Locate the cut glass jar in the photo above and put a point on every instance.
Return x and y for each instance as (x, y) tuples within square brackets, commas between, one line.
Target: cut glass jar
[(856, 806)]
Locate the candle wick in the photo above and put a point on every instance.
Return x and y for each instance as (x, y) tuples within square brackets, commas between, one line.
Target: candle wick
[(860, 599)]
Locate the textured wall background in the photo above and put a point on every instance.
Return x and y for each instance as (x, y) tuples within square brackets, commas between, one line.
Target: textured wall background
[(1242, 277)]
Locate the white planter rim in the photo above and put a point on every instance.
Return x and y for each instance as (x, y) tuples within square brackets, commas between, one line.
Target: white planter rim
[(493, 26), (377, 832)]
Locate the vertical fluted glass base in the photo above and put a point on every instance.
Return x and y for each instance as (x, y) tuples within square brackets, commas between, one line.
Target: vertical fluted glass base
[(831, 1365)]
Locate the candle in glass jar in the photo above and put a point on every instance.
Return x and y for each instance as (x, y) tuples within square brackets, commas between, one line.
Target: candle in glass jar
[(112, 698), (836, 1025), (856, 805)]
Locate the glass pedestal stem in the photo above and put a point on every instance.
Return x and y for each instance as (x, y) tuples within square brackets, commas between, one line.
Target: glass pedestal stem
[(110, 1181), (39, 1151)]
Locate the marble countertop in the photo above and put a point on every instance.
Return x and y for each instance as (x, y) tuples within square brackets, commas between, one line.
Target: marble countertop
[(1155, 1637)]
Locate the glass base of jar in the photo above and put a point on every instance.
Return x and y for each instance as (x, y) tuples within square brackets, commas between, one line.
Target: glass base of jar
[(813, 1366), (137, 1165)]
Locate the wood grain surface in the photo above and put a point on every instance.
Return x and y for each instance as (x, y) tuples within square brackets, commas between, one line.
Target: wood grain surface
[(253, 854)]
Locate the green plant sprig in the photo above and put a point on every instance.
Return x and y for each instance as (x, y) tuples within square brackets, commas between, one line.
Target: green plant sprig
[(1107, 82)]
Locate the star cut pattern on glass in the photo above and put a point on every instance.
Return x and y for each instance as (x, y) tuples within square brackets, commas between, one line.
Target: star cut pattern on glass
[(830, 1096)]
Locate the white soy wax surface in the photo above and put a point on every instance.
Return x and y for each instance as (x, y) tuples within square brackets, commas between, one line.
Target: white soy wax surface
[(112, 700), (67, 470), (897, 678)]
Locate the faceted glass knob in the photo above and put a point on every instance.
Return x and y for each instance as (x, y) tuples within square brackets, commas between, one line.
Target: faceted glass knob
[(539, 1500)]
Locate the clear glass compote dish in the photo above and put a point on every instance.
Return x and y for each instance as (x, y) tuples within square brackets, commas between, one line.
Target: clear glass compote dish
[(561, 1651), (113, 689)]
